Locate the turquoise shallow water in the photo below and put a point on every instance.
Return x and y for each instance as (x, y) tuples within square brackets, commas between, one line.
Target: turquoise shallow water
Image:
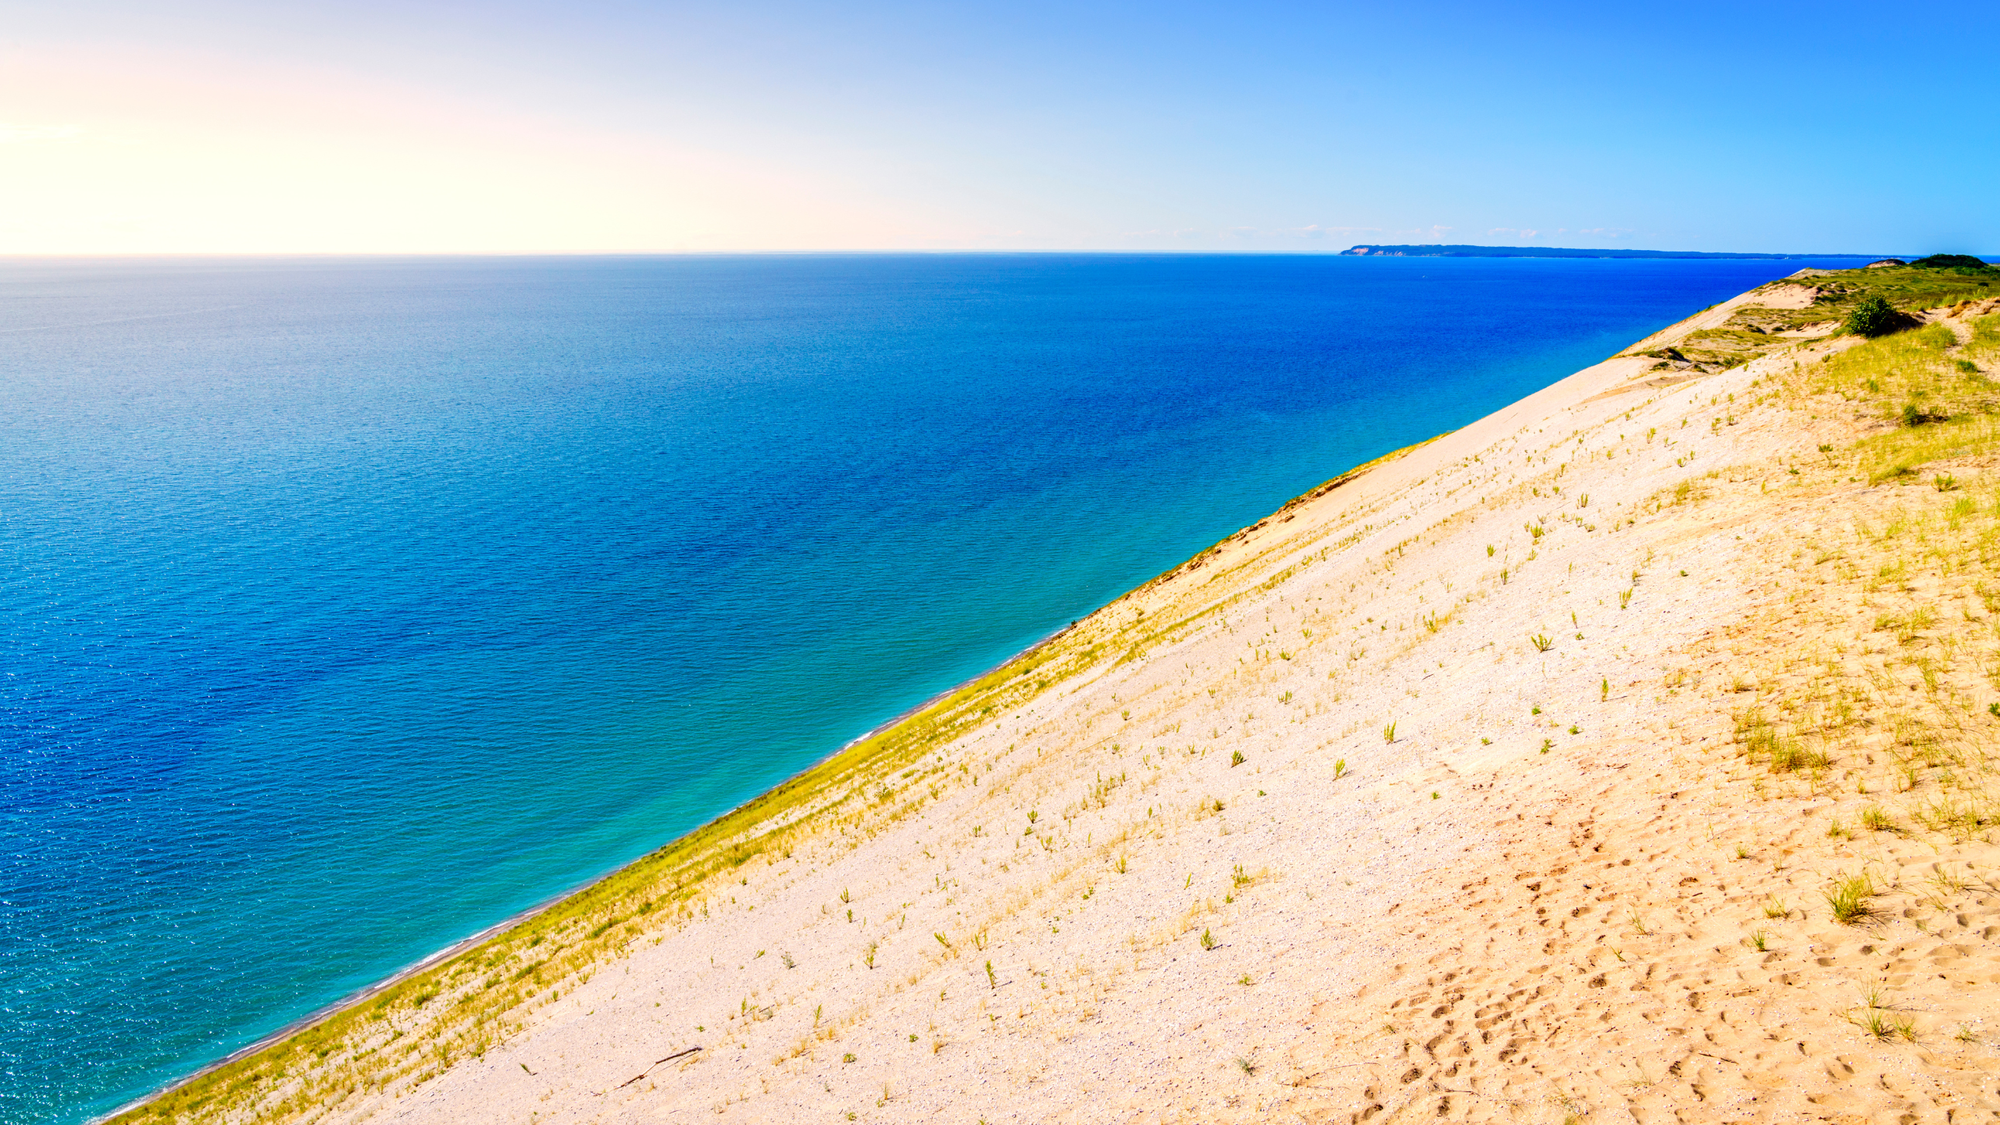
[(348, 606)]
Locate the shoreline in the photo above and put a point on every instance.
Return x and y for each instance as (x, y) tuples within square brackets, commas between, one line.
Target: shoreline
[(1117, 915), (351, 1001), (355, 999)]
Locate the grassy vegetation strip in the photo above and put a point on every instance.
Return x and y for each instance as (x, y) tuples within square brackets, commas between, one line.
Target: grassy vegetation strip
[(1754, 330)]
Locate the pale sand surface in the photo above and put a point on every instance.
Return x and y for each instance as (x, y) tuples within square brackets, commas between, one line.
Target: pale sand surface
[(1457, 925)]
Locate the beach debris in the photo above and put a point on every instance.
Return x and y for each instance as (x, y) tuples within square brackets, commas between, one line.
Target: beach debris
[(657, 1062)]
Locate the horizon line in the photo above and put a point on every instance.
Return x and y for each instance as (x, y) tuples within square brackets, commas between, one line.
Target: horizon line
[(1610, 252)]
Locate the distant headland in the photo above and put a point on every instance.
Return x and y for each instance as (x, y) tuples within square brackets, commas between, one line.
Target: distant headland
[(1560, 252)]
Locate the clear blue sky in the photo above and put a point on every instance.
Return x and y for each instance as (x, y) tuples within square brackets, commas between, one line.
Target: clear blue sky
[(210, 125)]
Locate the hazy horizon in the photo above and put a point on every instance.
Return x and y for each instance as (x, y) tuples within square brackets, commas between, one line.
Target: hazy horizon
[(225, 127), (864, 251)]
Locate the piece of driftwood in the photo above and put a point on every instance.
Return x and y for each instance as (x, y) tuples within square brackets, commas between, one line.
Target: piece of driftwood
[(656, 1062)]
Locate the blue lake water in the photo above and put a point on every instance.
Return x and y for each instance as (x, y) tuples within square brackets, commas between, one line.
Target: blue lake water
[(349, 606)]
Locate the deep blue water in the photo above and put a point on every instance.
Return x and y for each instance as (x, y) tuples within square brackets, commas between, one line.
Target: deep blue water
[(348, 606)]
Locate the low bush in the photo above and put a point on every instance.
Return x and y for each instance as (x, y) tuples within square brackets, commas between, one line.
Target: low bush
[(1875, 317)]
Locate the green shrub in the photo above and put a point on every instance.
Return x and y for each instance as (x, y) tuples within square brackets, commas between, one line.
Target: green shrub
[(1874, 317)]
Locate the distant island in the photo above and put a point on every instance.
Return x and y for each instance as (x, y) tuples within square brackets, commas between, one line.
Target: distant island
[(1559, 252)]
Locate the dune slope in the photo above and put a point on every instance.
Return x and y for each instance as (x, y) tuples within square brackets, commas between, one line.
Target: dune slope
[(1624, 755)]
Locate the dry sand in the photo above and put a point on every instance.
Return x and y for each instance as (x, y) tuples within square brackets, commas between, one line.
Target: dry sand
[(1540, 897)]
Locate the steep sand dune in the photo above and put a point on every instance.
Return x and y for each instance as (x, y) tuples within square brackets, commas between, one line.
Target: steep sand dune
[(1508, 779)]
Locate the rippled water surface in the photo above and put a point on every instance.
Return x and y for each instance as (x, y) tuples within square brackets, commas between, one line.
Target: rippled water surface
[(349, 606)]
